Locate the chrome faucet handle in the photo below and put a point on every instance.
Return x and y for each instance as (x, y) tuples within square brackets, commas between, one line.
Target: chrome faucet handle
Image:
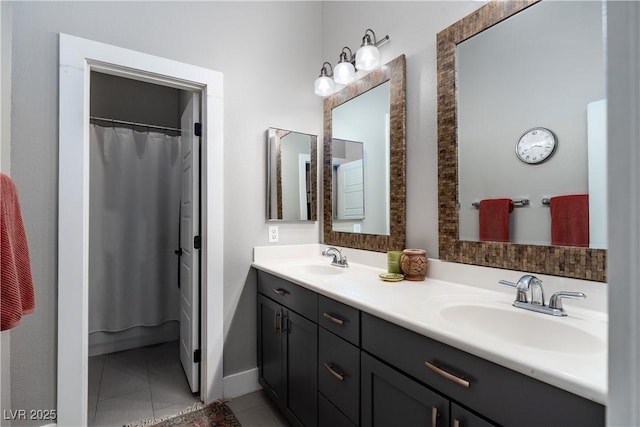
[(521, 293), (556, 299)]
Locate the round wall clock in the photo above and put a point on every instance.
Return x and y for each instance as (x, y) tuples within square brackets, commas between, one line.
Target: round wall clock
[(536, 145)]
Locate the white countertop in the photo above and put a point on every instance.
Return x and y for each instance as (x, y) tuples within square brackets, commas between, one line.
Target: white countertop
[(418, 306)]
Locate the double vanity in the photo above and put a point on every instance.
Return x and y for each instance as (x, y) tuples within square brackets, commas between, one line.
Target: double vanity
[(340, 347), (337, 346)]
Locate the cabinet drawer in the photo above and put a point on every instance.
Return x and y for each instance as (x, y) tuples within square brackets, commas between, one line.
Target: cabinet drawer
[(340, 319), (339, 373), (290, 295), (493, 390), (330, 416)]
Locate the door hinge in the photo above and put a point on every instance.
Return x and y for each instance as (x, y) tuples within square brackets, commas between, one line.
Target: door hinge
[(197, 242), (196, 356), (197, 129)]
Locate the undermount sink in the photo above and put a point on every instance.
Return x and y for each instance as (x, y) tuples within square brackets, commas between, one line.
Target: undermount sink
[(318, 269), (521, 327)]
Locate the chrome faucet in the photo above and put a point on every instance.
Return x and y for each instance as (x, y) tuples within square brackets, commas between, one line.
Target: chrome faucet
[(532, 283), (339, 260)]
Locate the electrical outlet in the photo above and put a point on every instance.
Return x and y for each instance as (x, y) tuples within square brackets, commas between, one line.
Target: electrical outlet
[(273, 234), (357, 228)]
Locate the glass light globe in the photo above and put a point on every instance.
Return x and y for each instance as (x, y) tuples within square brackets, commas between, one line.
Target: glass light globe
[(344, 73), (323, 86), (367, 58)]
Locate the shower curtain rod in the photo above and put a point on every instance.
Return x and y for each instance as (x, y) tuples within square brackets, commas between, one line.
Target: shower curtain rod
[(124, 122)]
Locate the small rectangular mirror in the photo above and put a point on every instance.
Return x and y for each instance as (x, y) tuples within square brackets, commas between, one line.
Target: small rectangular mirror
[(291, 175)]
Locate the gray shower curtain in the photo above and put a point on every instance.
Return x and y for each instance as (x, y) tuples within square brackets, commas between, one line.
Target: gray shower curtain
[(133, 228)]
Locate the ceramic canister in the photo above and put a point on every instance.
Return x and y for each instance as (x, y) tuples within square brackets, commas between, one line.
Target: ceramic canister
[(414, 264)]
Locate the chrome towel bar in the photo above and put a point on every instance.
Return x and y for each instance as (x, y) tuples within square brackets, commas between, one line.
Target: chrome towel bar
[(516, 203)]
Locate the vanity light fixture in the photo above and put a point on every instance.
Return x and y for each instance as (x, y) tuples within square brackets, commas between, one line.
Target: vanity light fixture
[(344, 72), (324, 84), (367, 58)]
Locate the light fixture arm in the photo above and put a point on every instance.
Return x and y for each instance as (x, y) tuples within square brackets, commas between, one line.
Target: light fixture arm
[(366, 39), (323, 70), (343, 55)]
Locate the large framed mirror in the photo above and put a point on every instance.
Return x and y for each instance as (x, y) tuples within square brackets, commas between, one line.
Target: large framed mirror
[(504, 72), (364, 161), (292, 170)]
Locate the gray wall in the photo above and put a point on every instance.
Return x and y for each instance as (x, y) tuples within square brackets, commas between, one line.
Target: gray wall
[(242, 40)]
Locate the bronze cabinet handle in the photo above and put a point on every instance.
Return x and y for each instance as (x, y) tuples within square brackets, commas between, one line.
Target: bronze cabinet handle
[(434, 416), (280, 291), (456, 379), (456, 423), (278, 322), (336, 374), (334, 319)]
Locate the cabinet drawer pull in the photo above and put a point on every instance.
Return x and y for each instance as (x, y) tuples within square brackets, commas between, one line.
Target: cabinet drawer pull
[(456, 379), (336, 374), (280, 291), (278, 322), (334, 319), (456, 423), (434, 416)]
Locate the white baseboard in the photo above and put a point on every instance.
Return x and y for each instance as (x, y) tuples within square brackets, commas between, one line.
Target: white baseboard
[(241, 383)]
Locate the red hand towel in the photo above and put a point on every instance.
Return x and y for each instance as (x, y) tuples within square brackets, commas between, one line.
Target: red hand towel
[(570, 220), (16, 285), (494, 220)]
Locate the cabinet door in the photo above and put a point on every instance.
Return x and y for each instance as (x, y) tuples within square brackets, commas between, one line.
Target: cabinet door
[(460, 417), (390, 398), (270, 348), (301, 361)]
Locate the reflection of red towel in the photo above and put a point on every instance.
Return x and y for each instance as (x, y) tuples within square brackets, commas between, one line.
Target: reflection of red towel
[(494, 220), (570, 220), (16, 286)]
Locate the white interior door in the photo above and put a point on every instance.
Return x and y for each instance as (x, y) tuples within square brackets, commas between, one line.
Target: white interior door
[(190, 257), (351, 190)]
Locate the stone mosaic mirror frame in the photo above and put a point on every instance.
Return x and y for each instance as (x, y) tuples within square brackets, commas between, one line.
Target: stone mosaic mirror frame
[(394, 72), (574, 262)]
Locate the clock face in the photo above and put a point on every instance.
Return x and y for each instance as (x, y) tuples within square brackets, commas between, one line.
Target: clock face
[(536, 145)]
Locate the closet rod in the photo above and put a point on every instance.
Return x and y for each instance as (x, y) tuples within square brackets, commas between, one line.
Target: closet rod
[(124, 122)]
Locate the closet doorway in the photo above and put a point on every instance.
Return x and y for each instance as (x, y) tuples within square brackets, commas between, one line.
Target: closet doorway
[(144, 214), (144, 286), (78, 58)]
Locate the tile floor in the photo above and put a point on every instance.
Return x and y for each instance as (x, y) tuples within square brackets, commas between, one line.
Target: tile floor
[(149, 382)]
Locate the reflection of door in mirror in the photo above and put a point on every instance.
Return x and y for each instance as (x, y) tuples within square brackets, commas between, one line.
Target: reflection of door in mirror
[(291, 175), (348, 184), (361, 184), (540, 68)]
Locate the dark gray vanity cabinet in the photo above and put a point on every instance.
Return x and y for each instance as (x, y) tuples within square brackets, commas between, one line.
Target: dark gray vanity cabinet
[(501, 395), (327, 364), (288, 348)]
